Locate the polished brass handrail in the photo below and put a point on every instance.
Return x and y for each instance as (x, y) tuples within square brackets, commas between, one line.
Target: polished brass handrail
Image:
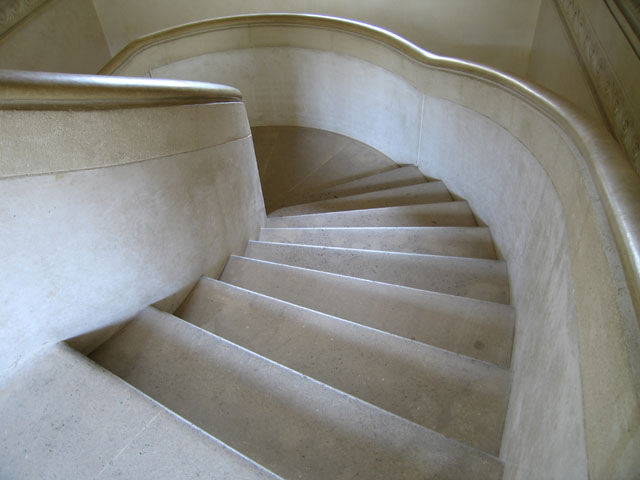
[(21, 90)]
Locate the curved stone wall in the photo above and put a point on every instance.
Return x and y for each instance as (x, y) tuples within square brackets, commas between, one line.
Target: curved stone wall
[(105, 212)]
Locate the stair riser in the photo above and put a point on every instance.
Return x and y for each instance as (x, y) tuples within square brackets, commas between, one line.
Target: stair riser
[(397, 177), (473, 328), (456, 396), (433, 192), (473, 278), (295, 427), (448, 214), (470, 242)]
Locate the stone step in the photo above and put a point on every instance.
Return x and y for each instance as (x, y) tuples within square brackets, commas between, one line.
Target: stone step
[(472, 242), (397, 177), (421, 193), (461, 398), (293, 425), (429, 215), (66, 417), (474, 328), (467, 277)]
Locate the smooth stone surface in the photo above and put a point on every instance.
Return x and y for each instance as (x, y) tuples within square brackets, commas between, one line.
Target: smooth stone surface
[(335, 89), (66, 417), (432, 215), (294, 161), (356, 160), (473, 328), (468, 277), (555, 62), (295, 426), (89, 249), (432, 192), (461, 398), (58, 142), (473, 242), (397, 177), (515, 196), (61, 36)]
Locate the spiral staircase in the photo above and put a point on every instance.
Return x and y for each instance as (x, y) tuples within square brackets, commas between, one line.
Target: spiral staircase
[(367, 329), (365, 334)]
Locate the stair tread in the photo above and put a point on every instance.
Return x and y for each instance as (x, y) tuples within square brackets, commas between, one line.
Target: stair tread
[(471, 242), (469, 277), (419, 382), (397, 177), (441, 214), (66, 417), (474, 328), (421, 193), (295, 426)]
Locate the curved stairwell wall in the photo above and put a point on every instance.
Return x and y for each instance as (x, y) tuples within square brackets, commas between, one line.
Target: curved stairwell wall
[(558, 194), (114, 194)]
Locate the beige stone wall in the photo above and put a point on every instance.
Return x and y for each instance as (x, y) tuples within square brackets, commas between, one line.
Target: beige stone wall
[(128, 217), (60, 36), (581, 52), (495, 32), (556, 64)]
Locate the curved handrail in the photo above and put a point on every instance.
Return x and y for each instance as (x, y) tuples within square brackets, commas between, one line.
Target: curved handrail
[(617, 181), (21, 90)]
